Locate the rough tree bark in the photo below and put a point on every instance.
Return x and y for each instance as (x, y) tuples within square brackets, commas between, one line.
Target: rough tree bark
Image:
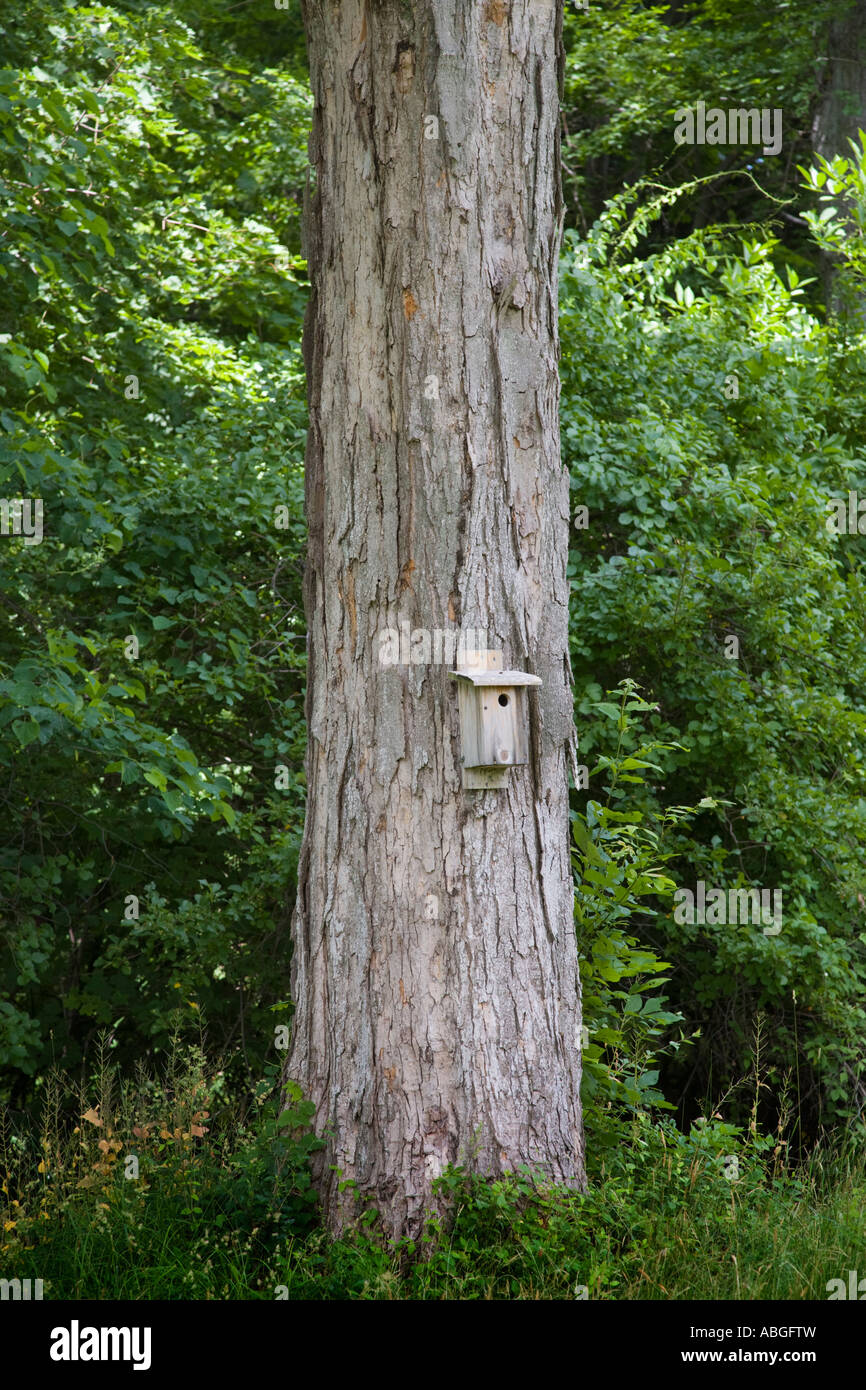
[(435, 968)]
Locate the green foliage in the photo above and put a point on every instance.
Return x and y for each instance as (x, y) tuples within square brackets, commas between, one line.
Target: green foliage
[(840, 227), (221, 1185), (264, 1184), (619, 867), (630, 66), (152, 397), (707, 471)]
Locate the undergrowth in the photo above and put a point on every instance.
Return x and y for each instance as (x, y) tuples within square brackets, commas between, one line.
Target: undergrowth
[(222, 1207)]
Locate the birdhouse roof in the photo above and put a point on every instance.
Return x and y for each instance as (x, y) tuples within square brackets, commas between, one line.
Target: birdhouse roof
[(481, 678)]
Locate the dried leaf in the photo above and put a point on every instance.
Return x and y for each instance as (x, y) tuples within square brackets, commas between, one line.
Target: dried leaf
[(91, 1116)]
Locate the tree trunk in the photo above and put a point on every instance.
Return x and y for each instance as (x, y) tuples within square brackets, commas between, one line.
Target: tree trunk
[(841, 112), (435, 967)]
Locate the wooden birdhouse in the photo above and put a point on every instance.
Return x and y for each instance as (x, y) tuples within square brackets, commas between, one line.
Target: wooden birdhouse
[(494, 719)]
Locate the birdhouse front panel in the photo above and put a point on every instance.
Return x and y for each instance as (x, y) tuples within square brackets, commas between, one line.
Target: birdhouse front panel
[(503, 741)]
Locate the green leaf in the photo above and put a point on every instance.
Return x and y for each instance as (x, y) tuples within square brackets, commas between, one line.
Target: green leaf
[(25, 730)]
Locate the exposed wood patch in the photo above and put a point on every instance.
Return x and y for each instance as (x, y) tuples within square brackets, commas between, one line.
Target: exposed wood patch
[(496, 12), (404, 66)]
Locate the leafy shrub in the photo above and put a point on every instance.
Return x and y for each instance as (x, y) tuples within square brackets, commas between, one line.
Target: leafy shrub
[(706, 472)]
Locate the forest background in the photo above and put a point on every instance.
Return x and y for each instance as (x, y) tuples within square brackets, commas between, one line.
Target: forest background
[(152, 661)]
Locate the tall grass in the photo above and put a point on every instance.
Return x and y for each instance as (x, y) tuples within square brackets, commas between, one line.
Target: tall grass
[(218, 1205)]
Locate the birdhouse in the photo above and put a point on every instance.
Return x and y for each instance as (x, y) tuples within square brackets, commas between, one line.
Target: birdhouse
[(494, 719)]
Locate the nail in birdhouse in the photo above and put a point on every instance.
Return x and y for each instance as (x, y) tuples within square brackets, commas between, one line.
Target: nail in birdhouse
[(494, 719)]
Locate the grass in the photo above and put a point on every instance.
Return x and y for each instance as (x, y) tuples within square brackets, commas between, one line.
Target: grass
[(202, 1214)]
